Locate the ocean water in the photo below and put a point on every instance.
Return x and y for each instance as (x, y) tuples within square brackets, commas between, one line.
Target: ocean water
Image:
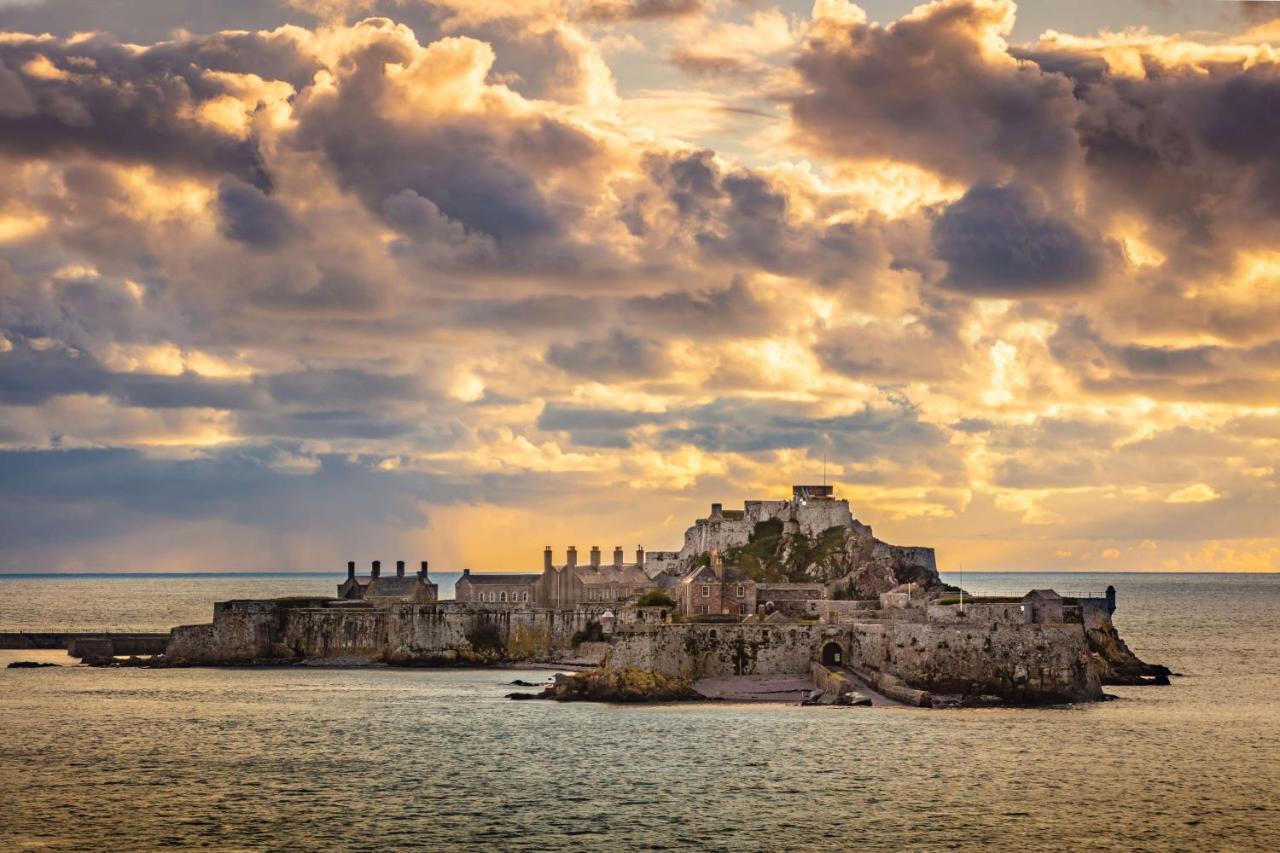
[(382, 759)]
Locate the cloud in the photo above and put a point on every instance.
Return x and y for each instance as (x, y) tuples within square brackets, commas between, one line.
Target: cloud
[(1002, 241), (249, 216), (617, 357), (936, 88)]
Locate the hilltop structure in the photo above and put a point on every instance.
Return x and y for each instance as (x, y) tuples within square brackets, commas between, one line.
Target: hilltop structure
[(788, 587)]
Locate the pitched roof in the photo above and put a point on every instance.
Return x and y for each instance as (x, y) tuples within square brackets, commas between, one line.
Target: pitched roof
[(394, 587), (499, 578), (1042, 593)]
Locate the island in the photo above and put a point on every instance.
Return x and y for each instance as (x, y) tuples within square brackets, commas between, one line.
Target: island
[(792, 590)]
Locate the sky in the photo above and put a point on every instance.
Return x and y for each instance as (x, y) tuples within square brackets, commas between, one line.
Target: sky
[(285, 283)]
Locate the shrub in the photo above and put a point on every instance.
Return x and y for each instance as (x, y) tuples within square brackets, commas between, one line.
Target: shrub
[(655, 598)]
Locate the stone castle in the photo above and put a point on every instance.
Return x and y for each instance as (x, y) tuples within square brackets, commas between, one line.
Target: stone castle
[(780, 587)]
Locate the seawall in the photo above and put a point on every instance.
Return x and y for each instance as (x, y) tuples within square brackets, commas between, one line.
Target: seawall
[(440, 633)]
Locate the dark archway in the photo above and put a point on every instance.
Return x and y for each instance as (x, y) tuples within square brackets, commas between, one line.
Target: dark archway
[(832, 655)]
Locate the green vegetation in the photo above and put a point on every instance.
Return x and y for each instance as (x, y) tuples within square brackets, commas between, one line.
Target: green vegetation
[(484, 637), (770, 556), (655, 598)]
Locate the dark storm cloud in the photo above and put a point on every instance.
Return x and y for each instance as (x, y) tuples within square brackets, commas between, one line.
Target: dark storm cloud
[(751, 426), (1002, 241), (739, 216), (343, 386), (478, 171), (247, 215), (86, 495), (733, 311), (617, 357), (112, 102), (925, 89), (29, 376)]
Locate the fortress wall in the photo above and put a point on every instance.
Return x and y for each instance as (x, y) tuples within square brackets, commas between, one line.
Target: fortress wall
[(818, 516), (699, 651), (977, 614), (1019, 663), (265, 630)]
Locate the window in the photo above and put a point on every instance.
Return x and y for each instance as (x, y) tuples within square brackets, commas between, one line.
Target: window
[(706, 592), (702, 608), (742, 610), (524, 596), (493, 596), (742, 590), (502, 596)]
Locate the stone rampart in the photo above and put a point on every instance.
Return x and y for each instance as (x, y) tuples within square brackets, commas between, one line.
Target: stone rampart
[(244, 631), (1031, 664), (701, 651)]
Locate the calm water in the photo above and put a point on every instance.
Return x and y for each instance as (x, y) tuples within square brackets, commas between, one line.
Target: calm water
[(383, 759)]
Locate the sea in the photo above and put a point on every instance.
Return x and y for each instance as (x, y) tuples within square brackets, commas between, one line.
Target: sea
[(379, 759)]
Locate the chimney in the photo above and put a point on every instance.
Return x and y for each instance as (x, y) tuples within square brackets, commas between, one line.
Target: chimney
[(466, 572), (423, 571), (595, 556), (572, 560), (399, 568), (546, 559), (376, 569), (617, 556), (717, 510), (640, 556)]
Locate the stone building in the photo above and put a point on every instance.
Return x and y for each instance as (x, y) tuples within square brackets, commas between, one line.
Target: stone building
[(562, 587), (396, 589), (1043, 607), (715, 589), (794, 599), (496, 588)]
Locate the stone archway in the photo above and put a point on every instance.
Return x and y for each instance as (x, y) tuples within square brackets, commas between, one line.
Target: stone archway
[(832, 654)]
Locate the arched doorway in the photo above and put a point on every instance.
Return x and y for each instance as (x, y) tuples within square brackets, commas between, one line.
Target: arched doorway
[(832, 655)]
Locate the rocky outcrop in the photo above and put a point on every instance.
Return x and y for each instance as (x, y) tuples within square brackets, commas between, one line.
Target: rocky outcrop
[(620, 685), (854, 562), (1115, 661)]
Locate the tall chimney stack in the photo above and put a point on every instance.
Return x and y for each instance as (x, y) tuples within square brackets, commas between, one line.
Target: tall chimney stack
[(399, 568), (595, 556), (546, 559), (572, 557), (640, 556), (376, 569), (617, 556), (423, 571)]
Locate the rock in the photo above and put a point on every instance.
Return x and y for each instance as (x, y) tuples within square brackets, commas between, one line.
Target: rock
[(523, 696), (855, 699), (29, 664), (621, 685), (520, 682)]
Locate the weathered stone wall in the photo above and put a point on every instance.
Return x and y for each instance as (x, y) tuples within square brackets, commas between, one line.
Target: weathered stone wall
[(248, 631), (977, 614), (1019, 663), (699, 651)]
